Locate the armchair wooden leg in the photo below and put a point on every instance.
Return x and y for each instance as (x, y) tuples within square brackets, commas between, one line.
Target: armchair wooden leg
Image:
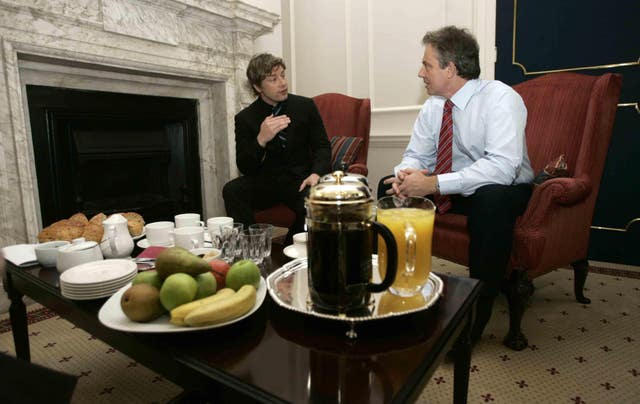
[(518, 290), (581, 270)]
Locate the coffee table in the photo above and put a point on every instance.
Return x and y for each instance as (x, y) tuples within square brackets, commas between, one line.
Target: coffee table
[(277, 355)]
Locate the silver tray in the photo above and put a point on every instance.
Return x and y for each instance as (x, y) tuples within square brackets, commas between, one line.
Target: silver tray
[(289, 288)]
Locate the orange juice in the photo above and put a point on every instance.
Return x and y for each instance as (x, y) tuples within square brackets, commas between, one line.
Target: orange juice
[(390, 303), (413, 230)]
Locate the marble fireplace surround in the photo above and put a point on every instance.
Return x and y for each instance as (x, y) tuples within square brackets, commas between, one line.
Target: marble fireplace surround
[(195, 49)]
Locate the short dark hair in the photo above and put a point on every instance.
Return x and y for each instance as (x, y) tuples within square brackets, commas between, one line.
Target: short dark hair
[(456, 45), (260, 66)]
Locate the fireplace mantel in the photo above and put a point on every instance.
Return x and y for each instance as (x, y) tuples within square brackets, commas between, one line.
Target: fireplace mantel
[(182, 48)]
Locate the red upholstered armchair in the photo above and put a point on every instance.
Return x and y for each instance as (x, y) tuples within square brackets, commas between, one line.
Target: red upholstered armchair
[(342, 116), (570, 114)]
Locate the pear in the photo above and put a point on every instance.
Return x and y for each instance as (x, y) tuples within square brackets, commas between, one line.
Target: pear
[(177, 259), (141, 303)]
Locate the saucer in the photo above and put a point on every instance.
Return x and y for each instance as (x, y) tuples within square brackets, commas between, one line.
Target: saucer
[(291, 252), (139, 236), (144, 243)]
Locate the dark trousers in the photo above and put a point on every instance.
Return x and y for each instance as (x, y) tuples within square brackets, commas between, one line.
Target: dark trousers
[(491, 215), (246, 194)]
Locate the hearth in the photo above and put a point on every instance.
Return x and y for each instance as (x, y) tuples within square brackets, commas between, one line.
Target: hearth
[(107, 152)]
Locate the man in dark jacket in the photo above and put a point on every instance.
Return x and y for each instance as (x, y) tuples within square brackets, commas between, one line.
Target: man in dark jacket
[(281, 147)]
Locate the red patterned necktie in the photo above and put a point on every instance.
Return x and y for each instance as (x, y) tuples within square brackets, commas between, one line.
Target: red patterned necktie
[(443, 162)]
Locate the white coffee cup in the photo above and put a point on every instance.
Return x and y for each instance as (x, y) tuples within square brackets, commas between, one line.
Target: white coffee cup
[(300, 243), (189, 237), (159, 233), (214, 224), (188, 220)]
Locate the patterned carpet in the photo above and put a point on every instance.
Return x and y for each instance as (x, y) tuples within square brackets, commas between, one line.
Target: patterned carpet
[(578, 353)]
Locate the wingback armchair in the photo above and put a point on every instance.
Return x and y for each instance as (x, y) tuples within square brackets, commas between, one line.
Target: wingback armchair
[(342, 116), (570, 114)]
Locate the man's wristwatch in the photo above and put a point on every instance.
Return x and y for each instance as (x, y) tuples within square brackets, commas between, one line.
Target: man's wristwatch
[(437, 186)]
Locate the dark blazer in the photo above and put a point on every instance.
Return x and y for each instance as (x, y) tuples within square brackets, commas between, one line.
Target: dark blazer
[(307, 148)]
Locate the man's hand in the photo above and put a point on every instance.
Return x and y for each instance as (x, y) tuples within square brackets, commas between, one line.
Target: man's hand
[(399, 179), (417, 183), (310, 181), (270, 128), (394, 181)]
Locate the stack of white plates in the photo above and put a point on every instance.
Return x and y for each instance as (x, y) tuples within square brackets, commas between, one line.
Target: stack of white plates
[(97, 279)]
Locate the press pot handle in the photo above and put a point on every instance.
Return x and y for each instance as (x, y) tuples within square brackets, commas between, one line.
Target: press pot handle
[(392, 258)]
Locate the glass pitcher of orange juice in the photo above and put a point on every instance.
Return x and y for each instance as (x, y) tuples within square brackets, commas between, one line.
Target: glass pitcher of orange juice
[(411, 223)]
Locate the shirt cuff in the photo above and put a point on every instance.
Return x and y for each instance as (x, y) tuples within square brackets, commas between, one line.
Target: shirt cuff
[(450, 183)]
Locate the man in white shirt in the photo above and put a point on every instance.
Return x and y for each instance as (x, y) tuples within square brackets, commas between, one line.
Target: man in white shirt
[(487, 175)]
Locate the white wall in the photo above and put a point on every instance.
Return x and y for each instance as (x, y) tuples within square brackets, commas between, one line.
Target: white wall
[(372, 48), (271, 42)]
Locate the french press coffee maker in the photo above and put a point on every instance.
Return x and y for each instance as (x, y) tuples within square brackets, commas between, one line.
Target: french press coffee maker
[(341, 227)]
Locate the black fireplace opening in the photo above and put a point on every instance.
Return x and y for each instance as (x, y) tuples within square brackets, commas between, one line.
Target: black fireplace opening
[(112, 152)]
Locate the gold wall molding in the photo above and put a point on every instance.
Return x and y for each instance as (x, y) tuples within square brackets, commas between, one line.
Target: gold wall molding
[(569, 69), (624, 230)]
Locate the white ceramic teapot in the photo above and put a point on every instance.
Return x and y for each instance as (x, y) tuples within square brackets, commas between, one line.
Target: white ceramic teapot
[(116, 240)]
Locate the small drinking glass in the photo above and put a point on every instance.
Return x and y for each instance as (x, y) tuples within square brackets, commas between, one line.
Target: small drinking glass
[(253, 245), (229, 241), (267, 230)]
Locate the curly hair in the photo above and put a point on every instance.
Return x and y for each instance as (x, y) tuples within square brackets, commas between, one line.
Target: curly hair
[(260, 66), (456, 45)]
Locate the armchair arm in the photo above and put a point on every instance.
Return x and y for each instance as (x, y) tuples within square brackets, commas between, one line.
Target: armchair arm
[(557, 191), (565, 191), (358, 168)]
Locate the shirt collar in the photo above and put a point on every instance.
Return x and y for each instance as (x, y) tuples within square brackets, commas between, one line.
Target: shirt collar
[(461, 98)]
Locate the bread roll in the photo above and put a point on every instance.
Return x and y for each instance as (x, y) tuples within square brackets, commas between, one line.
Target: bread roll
[(93, 232), (135, 223), (79, 218), (61, 230), (98, 219)]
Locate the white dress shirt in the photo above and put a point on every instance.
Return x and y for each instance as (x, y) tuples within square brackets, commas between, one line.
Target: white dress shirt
[(489, 145)]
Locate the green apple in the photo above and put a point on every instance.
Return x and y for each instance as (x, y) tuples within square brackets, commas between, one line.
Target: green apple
[(207, 285), (150, 277), (177, 289), (243, 272)]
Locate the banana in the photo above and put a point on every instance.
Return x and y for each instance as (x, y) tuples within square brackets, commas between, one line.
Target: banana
[(224, 309), (179, 313)]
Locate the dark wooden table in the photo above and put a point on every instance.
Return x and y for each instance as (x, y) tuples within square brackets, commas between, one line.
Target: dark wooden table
[(277, 355)]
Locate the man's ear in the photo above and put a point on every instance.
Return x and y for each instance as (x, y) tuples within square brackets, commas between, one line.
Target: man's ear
[(257, 88), (452, 69)]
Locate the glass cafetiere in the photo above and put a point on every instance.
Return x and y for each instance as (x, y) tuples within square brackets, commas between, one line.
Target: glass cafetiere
[(341, 230)]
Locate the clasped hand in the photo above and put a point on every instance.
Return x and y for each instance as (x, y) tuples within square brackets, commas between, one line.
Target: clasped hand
[(270, 128), (412, 182)]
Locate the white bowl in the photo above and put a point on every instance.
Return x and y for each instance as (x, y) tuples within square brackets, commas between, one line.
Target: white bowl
[(47, 253), (206, 250)]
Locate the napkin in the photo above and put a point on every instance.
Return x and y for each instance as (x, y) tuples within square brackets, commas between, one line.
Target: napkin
[(151, 252), (22, 255)]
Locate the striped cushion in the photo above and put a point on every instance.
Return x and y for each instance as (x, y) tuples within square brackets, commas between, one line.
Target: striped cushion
[(344, 150)]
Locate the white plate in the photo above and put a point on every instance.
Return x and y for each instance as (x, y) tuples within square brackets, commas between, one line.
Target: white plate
[(144, 243), (291, 252), (111, 315), (75, 287), (98, 272), (89, 296)]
